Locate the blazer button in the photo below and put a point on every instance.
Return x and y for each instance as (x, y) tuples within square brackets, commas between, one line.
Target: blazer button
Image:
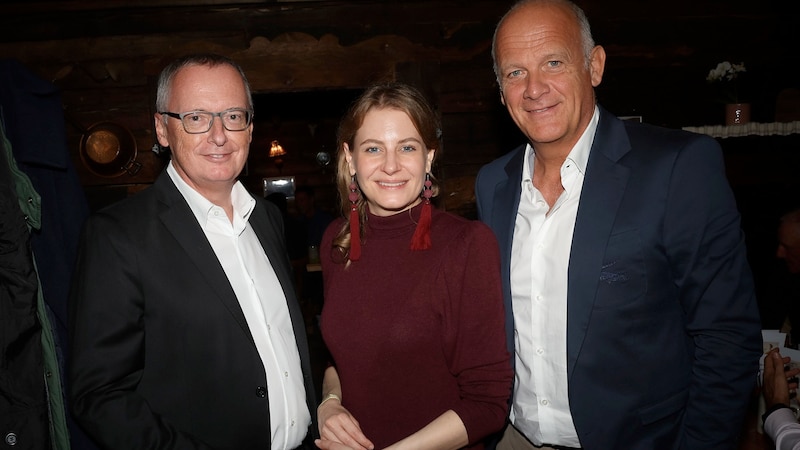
[(261, 391)]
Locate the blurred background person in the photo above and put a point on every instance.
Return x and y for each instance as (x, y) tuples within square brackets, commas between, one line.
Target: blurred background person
[(780, 302), (312, 218)]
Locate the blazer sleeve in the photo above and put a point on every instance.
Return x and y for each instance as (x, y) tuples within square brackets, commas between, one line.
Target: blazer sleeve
[(706, 248), (107, 337)]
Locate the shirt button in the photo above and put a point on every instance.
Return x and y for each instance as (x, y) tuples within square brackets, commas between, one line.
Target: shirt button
[(539, 351), (286, 374), (292, 422), (261, 391), (545, 402)]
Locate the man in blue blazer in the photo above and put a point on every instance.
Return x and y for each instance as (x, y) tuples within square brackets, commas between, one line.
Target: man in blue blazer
[(185, 329), (629, 301)]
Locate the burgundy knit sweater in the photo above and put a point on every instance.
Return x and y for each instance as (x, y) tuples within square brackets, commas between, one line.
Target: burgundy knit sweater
[(416, 333)]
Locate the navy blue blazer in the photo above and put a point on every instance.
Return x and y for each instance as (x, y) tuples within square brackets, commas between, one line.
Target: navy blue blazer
[(162, 353), (663, 333)]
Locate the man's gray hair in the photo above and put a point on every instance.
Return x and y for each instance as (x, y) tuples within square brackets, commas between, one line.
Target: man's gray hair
[(199, 59), (580, 17)]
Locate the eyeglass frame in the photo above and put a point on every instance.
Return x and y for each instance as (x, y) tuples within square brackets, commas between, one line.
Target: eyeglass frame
[(180, 117)]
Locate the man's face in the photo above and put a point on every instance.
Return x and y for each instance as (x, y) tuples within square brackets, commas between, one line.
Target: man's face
[(545, 81), (789, 245), (208, 161)]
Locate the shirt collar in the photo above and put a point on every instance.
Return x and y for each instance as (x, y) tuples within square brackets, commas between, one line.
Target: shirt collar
[(243, 202), (579, 155)]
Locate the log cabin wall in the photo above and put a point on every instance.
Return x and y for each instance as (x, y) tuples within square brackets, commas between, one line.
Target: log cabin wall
[(307, 59)]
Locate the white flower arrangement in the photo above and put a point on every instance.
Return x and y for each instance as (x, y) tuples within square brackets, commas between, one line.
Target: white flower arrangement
[(725, 71), (728, 79)]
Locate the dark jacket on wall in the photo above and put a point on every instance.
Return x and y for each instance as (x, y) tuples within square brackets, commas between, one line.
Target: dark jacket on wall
[(24, 420), (32, 114)]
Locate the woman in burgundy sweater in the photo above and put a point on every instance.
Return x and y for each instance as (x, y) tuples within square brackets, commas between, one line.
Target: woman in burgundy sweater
[(413, 314)]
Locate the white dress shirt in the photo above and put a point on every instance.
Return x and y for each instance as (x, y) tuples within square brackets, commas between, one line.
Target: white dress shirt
[(263, 302), (783, 428), (539, 265)]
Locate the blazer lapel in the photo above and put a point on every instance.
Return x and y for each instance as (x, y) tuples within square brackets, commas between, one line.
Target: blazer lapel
[(501, 218), (506, 198), (273, 245), (275, 251), (179, 220), (601, 195)]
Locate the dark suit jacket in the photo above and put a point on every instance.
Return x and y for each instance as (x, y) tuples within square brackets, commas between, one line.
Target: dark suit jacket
[(663, 334), (162, 354)]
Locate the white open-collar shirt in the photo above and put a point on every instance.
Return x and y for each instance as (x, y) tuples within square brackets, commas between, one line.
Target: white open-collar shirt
[(539, 265), (263, 302)]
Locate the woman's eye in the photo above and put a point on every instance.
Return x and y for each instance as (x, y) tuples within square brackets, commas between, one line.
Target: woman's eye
[(408, 148), (372, 149)]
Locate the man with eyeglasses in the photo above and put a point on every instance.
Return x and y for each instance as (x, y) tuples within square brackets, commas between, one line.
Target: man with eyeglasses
[(185, 329)]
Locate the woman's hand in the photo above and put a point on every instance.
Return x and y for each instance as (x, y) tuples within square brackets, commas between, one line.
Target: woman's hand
[(339, 430)]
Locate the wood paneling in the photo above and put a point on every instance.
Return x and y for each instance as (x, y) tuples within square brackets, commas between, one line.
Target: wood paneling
[(105, 56)]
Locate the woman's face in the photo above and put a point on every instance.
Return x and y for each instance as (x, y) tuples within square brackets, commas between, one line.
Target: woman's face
[(389, 160)]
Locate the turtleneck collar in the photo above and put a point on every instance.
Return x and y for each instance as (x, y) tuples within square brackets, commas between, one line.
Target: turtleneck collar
[(396, 224)]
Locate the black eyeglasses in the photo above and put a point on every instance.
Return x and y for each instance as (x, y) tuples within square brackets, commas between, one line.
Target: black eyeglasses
[(197, 122)]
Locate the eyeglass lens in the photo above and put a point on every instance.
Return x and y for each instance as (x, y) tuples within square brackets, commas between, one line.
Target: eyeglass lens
[(201, 121)]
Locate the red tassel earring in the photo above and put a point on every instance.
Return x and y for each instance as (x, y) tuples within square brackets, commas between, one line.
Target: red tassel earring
[(422, 234), (355, 227)]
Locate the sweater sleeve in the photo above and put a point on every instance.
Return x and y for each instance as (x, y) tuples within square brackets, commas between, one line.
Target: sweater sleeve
[(475, 331)]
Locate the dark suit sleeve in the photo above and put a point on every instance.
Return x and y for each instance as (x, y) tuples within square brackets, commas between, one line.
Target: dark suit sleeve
[(107, 336), (706, 250)]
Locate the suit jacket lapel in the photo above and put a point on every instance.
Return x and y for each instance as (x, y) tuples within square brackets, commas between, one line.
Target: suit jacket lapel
[(278, 259), (179, 220), (506, 198), (602, 192)]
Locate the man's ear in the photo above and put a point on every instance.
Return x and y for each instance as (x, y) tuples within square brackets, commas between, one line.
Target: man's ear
[(597, 65), (161, 130)]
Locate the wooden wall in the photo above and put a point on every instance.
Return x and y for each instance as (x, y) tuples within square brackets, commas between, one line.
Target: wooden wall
[(307, 59)]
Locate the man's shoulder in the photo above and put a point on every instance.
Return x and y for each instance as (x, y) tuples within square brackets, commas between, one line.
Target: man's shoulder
[(641, 134), (132, 207), (498, 166)]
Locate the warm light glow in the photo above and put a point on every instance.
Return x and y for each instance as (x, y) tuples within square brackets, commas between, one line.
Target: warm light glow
[(276, 149)]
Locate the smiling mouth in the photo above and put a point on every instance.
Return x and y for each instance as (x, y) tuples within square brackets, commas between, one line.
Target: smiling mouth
[(540, 110), (392, 184)]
